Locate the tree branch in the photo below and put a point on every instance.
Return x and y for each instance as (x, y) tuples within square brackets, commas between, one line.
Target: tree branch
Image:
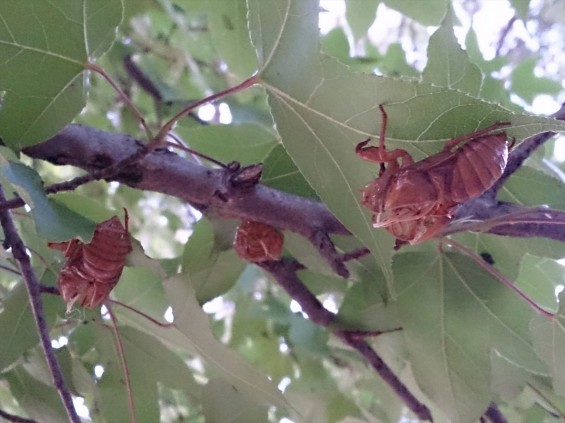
[(284, 272), (215, 190), (14, 242)]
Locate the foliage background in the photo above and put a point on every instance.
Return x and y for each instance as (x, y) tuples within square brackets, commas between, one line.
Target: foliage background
[(239, 349)]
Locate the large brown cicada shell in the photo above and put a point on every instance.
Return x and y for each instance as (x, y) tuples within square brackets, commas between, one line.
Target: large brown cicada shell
[(93, 269), (414, 201)]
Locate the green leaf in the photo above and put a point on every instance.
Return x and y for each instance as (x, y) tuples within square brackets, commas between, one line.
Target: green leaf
[(281, 173), (41, 402), (141, 364), (360, 15), (394, 62), (521, 7), (223, 403), (438, 295), (193, 330), (508, 380), (527, 85), (448, 64), (141, 287), (89, 207), (506, 253), (53, 221), (364, 309), (17, 325), (538, 278), (45, 47), (210, 270), (549, 339), (322, 111), (531, 187), (228, 28), (247, 143)]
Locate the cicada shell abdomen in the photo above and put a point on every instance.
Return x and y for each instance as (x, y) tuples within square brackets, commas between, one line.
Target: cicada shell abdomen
[(480, 163)]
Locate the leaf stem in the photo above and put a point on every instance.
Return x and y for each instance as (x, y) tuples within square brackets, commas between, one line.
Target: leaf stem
[(95, 68), (169, 125), (123, 362), (498, 276), (14, 241)]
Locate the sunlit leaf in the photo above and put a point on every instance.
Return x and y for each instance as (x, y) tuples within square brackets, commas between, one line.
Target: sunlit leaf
[(527, 85), (448, 64), (531, 187)]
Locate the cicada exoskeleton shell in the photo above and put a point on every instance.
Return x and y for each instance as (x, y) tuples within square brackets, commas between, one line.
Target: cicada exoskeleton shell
[(93, 269)]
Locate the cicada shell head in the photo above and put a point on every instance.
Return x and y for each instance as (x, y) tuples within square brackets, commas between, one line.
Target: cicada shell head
[(418, 230)]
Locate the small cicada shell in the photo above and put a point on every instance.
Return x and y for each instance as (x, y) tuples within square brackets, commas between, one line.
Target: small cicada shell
[(257, 242), (93, 269)]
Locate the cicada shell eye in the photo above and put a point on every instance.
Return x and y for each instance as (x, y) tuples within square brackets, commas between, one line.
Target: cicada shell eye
[(374, 194), (257, 242)]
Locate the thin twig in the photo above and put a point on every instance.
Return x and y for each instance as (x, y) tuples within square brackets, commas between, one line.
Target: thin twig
[(14, 241), (15, 419), (504, 34), (210, 99), (95, 68), (497, 275)]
